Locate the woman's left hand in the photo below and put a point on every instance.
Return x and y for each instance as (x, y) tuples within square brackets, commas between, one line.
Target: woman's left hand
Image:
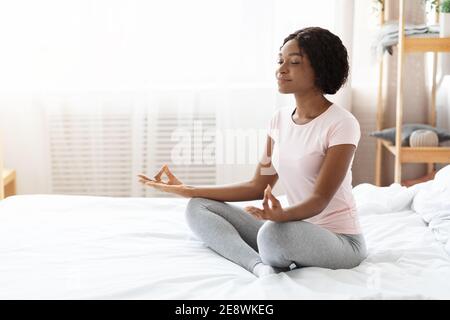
[(274, 213)]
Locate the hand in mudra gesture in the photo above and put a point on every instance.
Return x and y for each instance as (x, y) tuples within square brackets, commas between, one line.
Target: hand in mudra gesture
[(274, 212), (173, 185)]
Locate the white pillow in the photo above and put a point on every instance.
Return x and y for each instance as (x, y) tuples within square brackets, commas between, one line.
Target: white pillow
[(435, 196), (371, 199)]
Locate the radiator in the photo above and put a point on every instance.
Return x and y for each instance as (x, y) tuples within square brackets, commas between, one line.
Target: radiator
[(165, 139), (102, 154)]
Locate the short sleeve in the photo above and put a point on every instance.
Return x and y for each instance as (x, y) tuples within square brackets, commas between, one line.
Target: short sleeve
[(346, 131)]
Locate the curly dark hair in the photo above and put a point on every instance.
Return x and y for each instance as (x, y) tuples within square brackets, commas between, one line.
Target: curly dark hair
[(327, 55)]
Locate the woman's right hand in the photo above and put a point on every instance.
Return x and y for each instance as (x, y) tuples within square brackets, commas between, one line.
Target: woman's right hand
[(173, 185)]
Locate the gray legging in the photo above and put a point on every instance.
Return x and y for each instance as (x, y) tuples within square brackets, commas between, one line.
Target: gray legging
[(238, 236)]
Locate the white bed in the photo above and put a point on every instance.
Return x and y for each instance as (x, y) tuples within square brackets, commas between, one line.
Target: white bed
[(78, 247)]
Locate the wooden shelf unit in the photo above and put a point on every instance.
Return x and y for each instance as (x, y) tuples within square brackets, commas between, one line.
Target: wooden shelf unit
[(8, 183), (431, 44), (420, 155), (7, 179), (429, 155)]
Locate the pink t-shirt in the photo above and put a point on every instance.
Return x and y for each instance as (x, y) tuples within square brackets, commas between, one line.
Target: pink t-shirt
[(298, 153)]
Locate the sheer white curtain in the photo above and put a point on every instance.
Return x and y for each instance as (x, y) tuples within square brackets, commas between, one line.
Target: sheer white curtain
[(119, 61)]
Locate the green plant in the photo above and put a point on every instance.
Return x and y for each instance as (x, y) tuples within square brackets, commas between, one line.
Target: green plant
[(433, 4), (445, 6), (377, 4)]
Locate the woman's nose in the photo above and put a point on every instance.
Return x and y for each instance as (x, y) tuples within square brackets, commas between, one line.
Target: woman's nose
[(282, 68), (281, 71)]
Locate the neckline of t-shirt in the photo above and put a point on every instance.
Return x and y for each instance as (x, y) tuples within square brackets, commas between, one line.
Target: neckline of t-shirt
[(306, 124)]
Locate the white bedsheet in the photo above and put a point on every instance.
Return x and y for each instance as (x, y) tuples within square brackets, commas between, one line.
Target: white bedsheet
[(77, 247)]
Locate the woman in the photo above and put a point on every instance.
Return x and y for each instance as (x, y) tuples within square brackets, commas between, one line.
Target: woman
[(310, 147)]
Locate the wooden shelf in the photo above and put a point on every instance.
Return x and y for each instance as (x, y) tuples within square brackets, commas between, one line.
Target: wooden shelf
[(8, 176), (420, 155), (409, 44), (429, 44), (8, 183)]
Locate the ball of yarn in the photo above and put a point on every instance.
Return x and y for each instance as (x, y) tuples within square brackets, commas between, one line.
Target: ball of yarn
[(423, 138)]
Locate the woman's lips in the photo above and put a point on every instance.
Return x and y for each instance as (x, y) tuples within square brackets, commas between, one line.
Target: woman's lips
[(283, 80)]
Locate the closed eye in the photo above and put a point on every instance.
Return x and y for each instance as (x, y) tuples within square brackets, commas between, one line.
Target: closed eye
[(280, 62)]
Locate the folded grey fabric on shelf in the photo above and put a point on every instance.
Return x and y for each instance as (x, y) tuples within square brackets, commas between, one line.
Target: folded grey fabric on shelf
[(387, 37)]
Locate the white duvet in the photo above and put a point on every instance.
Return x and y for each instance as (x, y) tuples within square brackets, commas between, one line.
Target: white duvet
[(78, 247), (432, 202)]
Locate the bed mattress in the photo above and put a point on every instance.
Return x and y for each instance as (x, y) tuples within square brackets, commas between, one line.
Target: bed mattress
[(83, 247)]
